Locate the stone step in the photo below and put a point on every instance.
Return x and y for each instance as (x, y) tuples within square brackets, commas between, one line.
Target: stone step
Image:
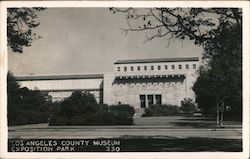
[(138, 113)]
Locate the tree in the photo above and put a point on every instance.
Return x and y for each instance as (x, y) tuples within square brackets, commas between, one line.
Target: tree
[(198, 24), (221, 80), (24, 106), (20, 22), (218, 31)]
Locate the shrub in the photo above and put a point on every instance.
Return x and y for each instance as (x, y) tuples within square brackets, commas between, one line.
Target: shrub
[(161, 110), (124, 108), (188, 106), (25, 106), (82, 109)]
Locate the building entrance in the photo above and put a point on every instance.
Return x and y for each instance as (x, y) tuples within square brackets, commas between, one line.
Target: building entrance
[(150, 99), (143, 101)]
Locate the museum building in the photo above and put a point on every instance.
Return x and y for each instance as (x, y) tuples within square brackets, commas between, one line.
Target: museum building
[(137, 82)]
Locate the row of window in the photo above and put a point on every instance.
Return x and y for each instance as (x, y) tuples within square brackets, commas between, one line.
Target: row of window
[(159, 67)]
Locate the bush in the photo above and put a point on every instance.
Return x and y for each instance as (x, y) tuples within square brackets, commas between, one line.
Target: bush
[(82, 109), (161, 110), (188, 106), (124, 108), (25, 106)]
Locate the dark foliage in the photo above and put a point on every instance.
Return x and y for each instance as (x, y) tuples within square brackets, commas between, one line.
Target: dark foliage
[(25, 106), (20, 22), (82, 109), (161, 110), (188, 106), (220, 82)]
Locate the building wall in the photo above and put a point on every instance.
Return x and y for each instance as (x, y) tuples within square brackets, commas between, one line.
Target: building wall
[(172, 91), (67, 84), (162, 65), (125, 87), (60, 89)]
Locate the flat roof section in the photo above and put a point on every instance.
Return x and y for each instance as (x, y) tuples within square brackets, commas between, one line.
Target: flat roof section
[(58, 77), (181, 59)]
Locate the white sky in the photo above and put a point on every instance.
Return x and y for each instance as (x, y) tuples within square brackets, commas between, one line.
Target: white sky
[(88, 40)]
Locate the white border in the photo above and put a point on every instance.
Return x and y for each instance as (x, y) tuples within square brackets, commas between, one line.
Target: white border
[(129, 155)]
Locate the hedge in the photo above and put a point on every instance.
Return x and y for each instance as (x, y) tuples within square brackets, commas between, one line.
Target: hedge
[(161, 110), (81, 108)]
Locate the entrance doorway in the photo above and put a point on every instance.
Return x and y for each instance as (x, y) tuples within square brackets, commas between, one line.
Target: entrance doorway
[(143, 101), (150, 99)]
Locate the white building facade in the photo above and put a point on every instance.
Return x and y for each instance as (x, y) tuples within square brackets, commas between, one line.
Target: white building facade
[(140, 82)]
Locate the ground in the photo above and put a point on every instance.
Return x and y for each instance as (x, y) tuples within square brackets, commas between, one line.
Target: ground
[(173, 133)]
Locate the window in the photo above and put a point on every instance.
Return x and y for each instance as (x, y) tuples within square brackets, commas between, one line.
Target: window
[(132, 68), (187, 66), (158, 99), (194, 66), (152, 67), (138, 68), (150, 100), (143, 101), (159, 67), (145, 68), (166, 67), (172, 67), (125, 69), (118, 69), (179, 66)]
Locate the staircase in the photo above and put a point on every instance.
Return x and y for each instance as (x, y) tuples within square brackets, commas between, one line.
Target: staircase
[(138, 112)]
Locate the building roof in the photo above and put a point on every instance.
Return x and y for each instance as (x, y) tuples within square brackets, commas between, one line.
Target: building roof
[(181, 59), (58, 77)]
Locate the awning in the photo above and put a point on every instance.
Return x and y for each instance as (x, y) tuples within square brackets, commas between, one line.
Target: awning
[(149, 78)]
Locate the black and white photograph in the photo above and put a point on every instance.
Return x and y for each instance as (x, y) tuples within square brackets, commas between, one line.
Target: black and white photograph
[(125, 78)]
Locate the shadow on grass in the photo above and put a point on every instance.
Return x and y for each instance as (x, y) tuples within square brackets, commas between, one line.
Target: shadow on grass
[(198, 119), (194, 124), (191, 144)]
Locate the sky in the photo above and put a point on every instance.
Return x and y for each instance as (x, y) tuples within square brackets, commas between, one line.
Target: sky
[(88, 40)]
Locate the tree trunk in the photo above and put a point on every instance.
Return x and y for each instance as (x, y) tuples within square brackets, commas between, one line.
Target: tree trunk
[(217, 113), (221, 114)]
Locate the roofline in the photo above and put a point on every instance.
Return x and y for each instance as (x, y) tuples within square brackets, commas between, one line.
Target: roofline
[(58, 77), (158, 60)]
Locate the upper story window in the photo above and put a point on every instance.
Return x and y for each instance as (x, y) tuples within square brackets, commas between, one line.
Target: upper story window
[(125, 69), (118, 69), (179, 66), (173, 67), (132, 68), (194, 66), (166, 67), (145, 68), (159, 67), (187, 66), (138, 68), (152, 67)]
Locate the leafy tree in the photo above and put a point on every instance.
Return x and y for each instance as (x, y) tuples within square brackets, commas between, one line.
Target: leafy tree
[(24, 106), (20, 22), (13, 92), (221, 80)]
